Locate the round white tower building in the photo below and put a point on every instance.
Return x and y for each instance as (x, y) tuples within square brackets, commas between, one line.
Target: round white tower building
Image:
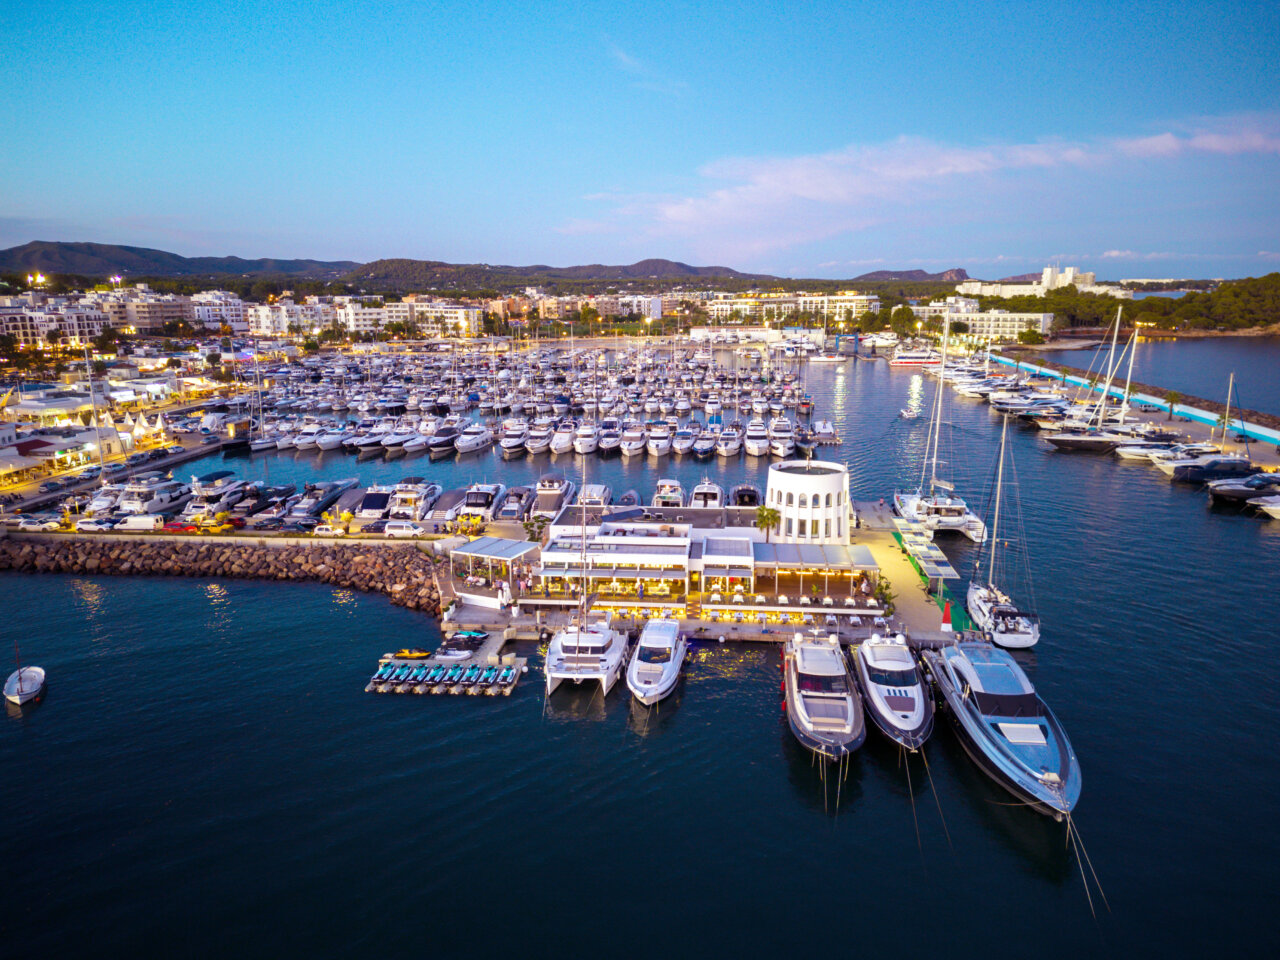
[(812, 500)]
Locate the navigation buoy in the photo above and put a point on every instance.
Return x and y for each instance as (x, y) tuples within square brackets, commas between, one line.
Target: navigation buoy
[(946, 618)]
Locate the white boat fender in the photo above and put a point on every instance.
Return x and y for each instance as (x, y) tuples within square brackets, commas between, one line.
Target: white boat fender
[(722, 638), (525, 668)]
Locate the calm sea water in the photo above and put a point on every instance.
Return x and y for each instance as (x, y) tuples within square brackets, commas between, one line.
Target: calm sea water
[(1200, 367), (207, 775)]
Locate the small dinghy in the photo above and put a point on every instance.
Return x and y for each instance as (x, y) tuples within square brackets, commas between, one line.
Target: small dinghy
[(26, 684)]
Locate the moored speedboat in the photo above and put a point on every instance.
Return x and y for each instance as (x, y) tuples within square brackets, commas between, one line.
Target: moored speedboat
[(893, 690), (655, 667), (1004, 726), (824, 710)]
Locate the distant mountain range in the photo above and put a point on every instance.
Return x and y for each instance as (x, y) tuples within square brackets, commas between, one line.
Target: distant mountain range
[(954, 275), (104, 259), (401, 275), (1021, 278)]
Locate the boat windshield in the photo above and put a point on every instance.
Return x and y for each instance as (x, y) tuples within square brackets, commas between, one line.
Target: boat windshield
[(655, 654), (892, 678), (816, 683)]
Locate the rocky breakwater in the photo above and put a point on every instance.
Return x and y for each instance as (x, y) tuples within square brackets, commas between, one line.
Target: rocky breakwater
[(403, 573)]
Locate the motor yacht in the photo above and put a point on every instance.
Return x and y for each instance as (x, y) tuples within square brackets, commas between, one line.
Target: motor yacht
[(668, 494), (629, 498), (730, 442), (893, 690), (375, 502), (585, 651), (539, 438), (707, 495), (412, 499), (153, 495), (586, 439), (745, 495), (1213, 467), (480, 500), (1239, 491), (562, 438), (704, 448), (824, 710), (552, 493), (474, 438), (655, 666), (317, 497), (1005, 727), (515, 506), (1269, 505), (782, 442), (610, 436), (633, 441), (212, 494), (756, 439), (682, 441), (595, 495), (659, 442)]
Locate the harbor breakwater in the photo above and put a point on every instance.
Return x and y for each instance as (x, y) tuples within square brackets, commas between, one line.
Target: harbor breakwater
[(403, 573)]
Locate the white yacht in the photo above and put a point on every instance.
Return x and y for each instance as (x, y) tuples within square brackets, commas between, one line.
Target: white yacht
[(682, 441), (552, 493), (669, 494), (586, 651), (655, 667), (562, 439), (514, 434), (332, 439), (659, 443), (539, 438), (480, 500), (756, 440), (939, 511), (153, 495), (707, 495), (475, 437), (212, 494), (730, 442), (586, 439), (782, 439), (893, 690), (595, 495), (824, 710), (412, 499), (610, 436), (633, 441)]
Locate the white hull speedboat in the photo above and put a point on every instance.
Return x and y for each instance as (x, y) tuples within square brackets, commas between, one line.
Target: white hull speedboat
[(655, 666), (893, 690), (824, 710), (999, 617)]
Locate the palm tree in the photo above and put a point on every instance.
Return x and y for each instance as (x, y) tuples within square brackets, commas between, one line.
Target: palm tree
[(767, 518), (1172, 397)]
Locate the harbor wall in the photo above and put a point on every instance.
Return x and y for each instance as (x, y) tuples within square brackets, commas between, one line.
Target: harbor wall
[(403, 573), (1259, 426)]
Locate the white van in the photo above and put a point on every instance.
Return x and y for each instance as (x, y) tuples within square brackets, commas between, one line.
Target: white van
[(141, 522), (404, 528)]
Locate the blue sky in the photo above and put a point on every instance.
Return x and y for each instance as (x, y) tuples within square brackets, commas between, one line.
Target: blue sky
[(803, 139)]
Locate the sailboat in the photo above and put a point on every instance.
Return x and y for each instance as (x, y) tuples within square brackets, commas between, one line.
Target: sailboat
[(1096, 436), (991, 608), (26, 683), (935, 510)]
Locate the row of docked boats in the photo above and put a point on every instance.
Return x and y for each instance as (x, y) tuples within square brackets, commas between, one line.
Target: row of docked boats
[(395, 676), (591, 650), (1003, 724)]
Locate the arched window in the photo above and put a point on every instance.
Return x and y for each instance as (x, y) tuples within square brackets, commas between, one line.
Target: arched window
[(790, 499), (828, 499), (804, 499)]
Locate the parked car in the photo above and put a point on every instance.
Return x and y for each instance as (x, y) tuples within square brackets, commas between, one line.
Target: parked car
[(142, 522), (328, 530), (404, 528), (134, 459), (175, 448), (89, 473), (212, 438), (49, 486), (374, 526), (180, 526), (273, 524), (40, 524), (158, 453), (94, 524), (115, 469)]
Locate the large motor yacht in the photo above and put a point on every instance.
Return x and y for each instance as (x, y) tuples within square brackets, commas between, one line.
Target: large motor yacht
[(668, 494), (552, 494), (481, 499), (1004, 726)]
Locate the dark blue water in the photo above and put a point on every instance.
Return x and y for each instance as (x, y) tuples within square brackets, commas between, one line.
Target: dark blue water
[(1200, 367), (207, 776)]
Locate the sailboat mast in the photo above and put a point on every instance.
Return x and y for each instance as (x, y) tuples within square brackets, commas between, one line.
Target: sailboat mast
[(942, 370), (995, 523), (1128, 377), (1111, 370), (1226, 414)]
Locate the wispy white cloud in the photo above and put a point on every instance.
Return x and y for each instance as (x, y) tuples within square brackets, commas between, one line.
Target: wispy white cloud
[(753, 206), (647, 77)]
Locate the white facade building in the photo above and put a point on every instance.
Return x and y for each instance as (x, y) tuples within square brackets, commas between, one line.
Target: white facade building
[(994, 326), (217, 308), (1052, 278), (812, 499)]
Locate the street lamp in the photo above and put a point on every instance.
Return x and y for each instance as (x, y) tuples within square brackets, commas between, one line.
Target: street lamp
[(648, 327)]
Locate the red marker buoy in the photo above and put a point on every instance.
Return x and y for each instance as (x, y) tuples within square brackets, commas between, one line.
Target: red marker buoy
[(946, 618)]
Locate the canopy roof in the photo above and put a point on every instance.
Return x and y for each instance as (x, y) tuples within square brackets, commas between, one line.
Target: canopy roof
[(810, 556), (494, 548)]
